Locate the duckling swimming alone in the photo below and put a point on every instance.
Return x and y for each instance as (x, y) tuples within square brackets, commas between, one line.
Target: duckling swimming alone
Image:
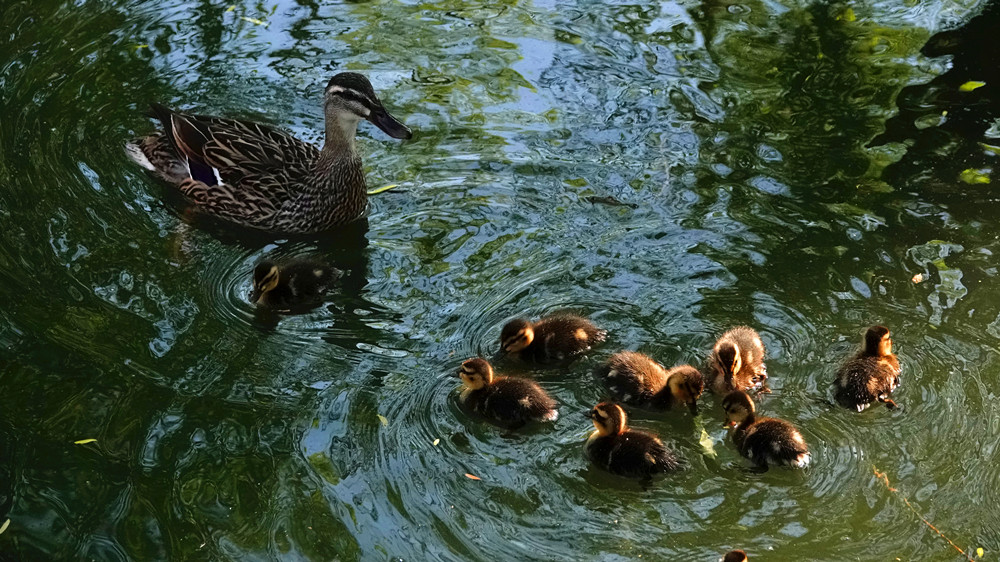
[(626, 452), (553, 339), (507, 401), (737, 362), (871, 374), (765, 441), (638, 380), (296, 285)]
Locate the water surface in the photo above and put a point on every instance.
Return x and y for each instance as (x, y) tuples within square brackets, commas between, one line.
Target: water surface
[(737, 138)]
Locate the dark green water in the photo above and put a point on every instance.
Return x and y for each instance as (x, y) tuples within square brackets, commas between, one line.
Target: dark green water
[(736, 134)]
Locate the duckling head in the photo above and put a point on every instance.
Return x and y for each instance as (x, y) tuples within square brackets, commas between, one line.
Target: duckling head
[(476, 373), (351, 98), (686, 385), (729, 358), (516, 335), (265, 278), (609, 418), (878, 341), (738, 407), (735, 556)]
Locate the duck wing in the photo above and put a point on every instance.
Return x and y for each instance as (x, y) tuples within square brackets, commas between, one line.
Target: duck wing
[(236, 153)]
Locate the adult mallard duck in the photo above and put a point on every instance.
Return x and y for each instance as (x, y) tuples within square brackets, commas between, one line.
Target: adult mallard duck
[(264, 178)]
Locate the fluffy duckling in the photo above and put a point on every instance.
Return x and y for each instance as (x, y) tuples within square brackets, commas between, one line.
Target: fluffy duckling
[(737, 362), (637, 380), (626, 452), (765, 441), (553, 339), (871, 374), (735, 556), (507, 401), (294, 285)]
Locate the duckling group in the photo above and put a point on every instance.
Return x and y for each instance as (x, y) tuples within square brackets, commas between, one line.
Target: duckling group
[(735, 368), (259, 177)]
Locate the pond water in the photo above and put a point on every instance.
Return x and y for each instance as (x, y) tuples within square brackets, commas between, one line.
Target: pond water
[(667, 169)]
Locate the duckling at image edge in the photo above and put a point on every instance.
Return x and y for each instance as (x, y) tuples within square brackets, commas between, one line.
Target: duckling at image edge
[(553, 339), (626, 452), (507, 401), (734, 556), (737, 362), (261, 177), (765, 441), (291, 286), (638, 380), (871, 374)]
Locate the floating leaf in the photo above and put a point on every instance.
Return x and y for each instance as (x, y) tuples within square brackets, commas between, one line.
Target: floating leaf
[(919, 278), (384, 420), (472, 476), (84, 441), (7, 524), (254, 21), (979, 551), (971, 85), (231, 8), (972, 176), (435, 442), (848, 15), (707, 444), (384, 188)]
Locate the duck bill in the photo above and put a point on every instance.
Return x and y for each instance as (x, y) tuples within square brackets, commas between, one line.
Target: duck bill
[(389, 124), (693, 406), (498, 356), (256, 297)]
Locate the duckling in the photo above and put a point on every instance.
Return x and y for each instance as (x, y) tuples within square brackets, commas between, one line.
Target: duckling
[(507, 401), (735, 556), (737, 362), (764, 441), (553, 339), (871, 374), (638, 380), (294, 285), (626, 452)]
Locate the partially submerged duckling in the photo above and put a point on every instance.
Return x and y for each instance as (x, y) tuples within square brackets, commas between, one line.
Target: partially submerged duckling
[(553, 339), (638, 380), (871, 374), (294, 285), (765, 441), (626, 452), (507, 401), (737, 362), (735, 556)]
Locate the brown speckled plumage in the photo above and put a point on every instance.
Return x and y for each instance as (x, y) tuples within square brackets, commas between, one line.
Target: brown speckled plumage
[(264, 178), (750, 372), (638, 380), (871, 374)]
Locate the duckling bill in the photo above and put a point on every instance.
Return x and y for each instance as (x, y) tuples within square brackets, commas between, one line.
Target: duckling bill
[(871, 374), (737, 362), (293, 286), (626, 452), (765, 441), (551, 340), (506, 401), (638, 380)]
